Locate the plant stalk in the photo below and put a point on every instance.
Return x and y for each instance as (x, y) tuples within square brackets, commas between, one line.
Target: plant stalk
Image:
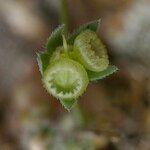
[(63, 15)]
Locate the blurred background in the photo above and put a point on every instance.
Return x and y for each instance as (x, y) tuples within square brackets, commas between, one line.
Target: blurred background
[(113, 114)]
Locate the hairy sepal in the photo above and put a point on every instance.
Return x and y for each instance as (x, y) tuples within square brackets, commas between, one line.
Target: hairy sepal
[(93, 76), (68, 103), (43, 61), (55, 39), (91, 25)]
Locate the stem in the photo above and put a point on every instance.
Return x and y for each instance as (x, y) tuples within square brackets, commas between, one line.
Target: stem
[(78, 116), (63, 14), (64, 19)]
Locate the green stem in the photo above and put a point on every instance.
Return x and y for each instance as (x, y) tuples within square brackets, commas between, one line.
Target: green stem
[(63, 14), (64, 19), (78, 116)]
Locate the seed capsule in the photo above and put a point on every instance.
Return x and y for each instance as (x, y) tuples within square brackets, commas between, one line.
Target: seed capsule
[(65, 79), (90, 51)]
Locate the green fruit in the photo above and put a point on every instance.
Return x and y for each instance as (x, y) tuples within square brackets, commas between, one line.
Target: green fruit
[(90, 52), (65, 78)]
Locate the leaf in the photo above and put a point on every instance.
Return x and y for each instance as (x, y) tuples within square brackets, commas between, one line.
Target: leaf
[(91, 25), (55, 39), (68, 103), (43, 61), (100, 75)]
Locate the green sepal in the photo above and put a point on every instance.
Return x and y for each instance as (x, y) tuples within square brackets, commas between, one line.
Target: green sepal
[(55, 39), (68, 103), (43, 61), (93, 76), (91, 25)]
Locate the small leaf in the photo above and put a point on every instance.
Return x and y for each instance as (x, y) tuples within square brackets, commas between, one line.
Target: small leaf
[(91, 25), (55, 39), (68, 103), (100, 75), (43, 61)]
